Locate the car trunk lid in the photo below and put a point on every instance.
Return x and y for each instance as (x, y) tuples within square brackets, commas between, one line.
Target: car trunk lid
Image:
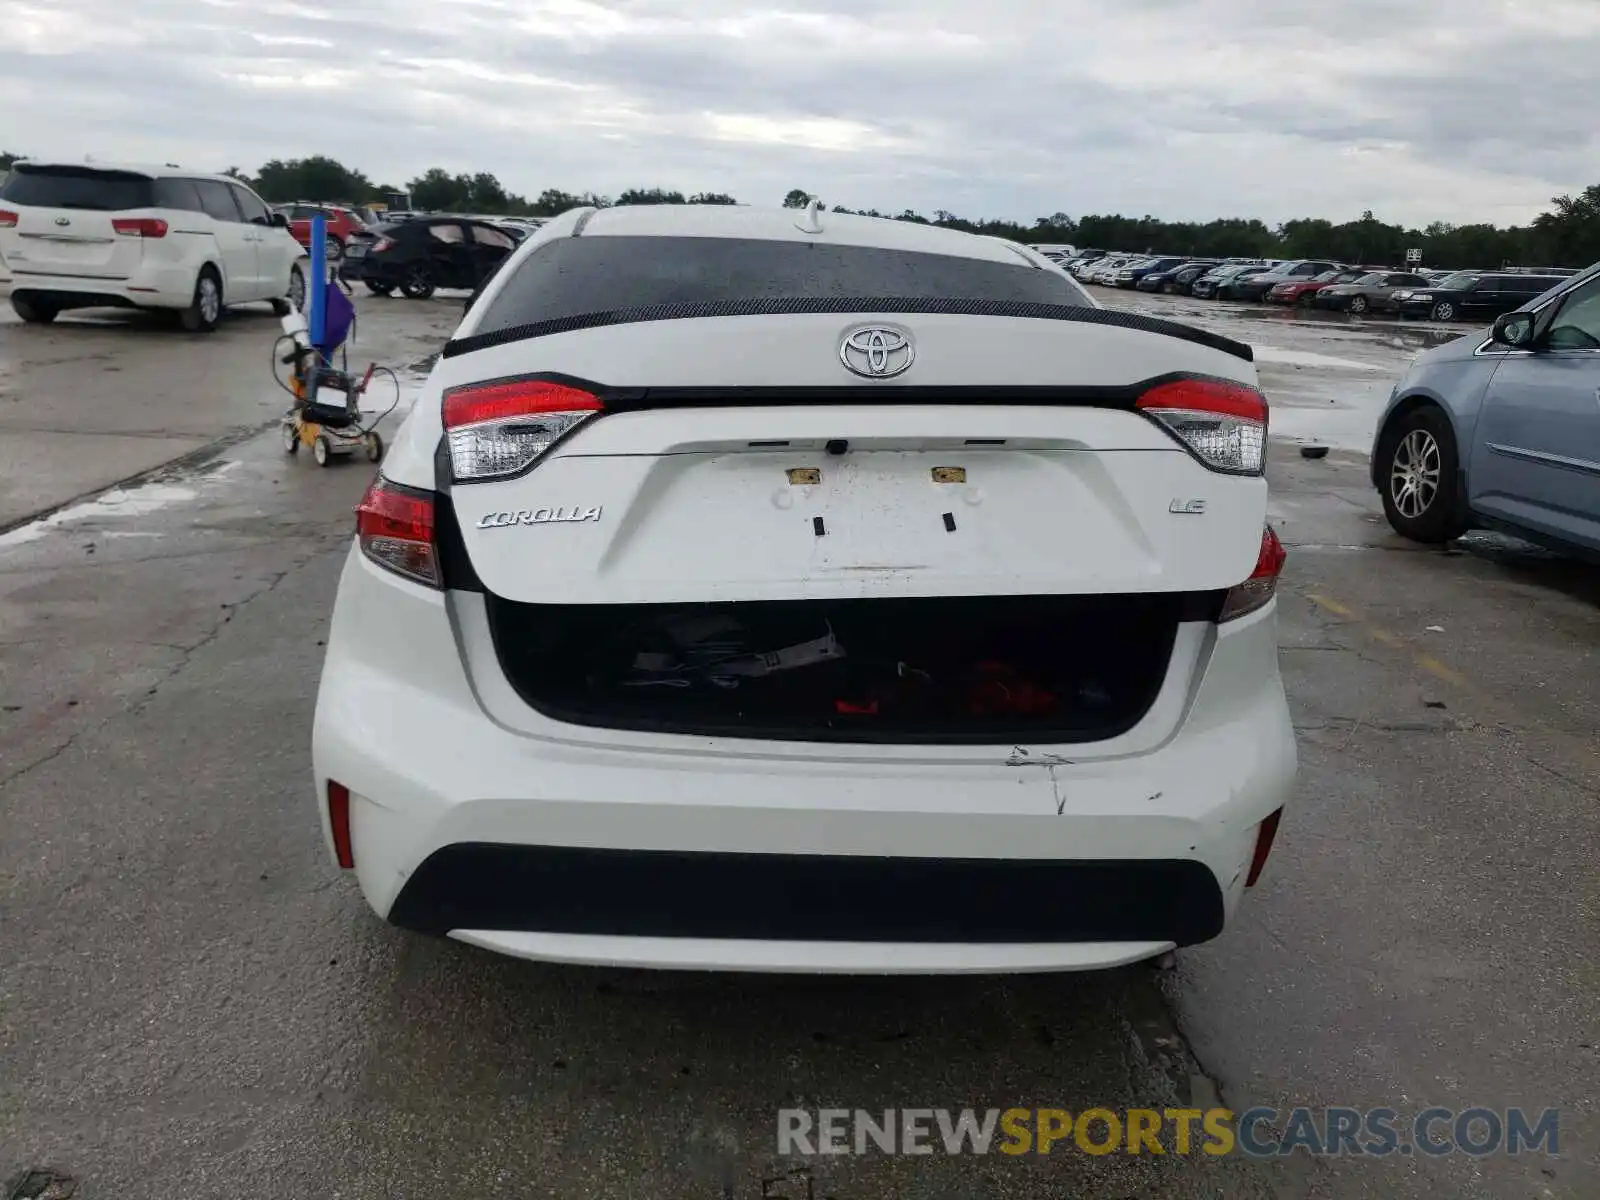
[(999, 481), (64, 221)]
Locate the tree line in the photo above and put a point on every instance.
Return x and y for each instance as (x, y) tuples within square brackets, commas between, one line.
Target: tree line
[(1566, 234)]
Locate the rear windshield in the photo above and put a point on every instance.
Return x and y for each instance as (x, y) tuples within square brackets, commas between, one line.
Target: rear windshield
[(573, 276), (77, 187)]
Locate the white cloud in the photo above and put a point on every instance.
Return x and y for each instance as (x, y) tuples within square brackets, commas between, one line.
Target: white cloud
[(1462, 110)]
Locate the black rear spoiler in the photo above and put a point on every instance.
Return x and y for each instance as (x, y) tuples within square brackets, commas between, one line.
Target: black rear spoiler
[(875, 304)]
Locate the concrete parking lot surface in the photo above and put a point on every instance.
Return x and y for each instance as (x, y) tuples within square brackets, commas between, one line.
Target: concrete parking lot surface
[(103, 396), (194, 1003)]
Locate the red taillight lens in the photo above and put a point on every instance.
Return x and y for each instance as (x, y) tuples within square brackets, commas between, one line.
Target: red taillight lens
[(1263, 582), (339, 824), (8, 219), (501, 428), (140, 227), (382, 244), (1267, 831), (395, 528), (1224, 424)]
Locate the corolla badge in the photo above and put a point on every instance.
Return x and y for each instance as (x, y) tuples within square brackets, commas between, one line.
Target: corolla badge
[(63, 221), (877, 352), (537, 516)]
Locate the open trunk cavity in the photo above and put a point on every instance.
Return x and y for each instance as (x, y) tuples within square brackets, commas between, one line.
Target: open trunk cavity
[(960, 669)]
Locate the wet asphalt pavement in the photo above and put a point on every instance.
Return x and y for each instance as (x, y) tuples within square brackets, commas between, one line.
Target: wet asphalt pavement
[(194, 1003)]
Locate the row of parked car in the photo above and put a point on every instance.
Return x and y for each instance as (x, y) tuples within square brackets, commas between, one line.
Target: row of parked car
[(410, 252), (1314, 283)]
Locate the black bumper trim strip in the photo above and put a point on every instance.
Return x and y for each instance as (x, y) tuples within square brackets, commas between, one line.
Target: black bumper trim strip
[(797, 897)]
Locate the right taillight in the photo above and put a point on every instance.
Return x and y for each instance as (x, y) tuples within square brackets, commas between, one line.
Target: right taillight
[(1265, 833), (1263, 582), (382, 244), (395, 527), (8, 219), (1224, 424), (500, 428), (139, 227)]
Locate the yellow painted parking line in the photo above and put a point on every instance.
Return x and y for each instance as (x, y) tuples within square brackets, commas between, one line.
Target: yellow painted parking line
[(1438, 670), (1332, 606), (1577, 749), (1426, 662)]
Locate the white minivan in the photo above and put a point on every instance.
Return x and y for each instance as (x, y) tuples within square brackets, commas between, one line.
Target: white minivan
[(93, 235)]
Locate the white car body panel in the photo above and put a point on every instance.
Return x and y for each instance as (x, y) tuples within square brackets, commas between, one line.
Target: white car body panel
[(418, 718)]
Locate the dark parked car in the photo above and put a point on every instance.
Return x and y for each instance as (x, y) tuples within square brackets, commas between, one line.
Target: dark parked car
[(1176, 280), (1130, 275), (1499, 429), (1210, 284), (1474, 295), (1300, 271), (425, 253), (1373, 292), (1231, 288)]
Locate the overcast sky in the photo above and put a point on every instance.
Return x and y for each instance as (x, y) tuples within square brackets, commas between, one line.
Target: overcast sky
[(1186, 109)]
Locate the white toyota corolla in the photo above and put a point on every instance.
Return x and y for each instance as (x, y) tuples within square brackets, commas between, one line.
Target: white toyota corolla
[(787, 590)]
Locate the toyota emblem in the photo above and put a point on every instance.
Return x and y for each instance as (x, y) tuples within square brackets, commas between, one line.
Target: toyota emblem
[(877, 352)]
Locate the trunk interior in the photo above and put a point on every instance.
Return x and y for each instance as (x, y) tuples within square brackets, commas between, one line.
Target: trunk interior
[(958, 669)]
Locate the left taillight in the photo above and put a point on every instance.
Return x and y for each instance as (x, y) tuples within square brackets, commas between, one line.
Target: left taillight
[(1263, 582), (8, 219), (395, 527), (140, 227), (1224, 424), (500, 428)]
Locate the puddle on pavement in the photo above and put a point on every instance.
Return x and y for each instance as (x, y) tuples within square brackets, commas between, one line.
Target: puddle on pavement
[(121, 504), (1307, 358)]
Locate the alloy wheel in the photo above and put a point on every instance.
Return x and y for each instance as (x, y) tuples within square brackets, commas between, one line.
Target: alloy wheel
[(1414, 473), (210, 299)]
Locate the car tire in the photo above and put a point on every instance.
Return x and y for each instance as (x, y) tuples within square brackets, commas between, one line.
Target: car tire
[(1418, 477), (1359, 305), (418, 283), (1444, 310), (34, 312), (332, 248), (295, 301), (380, 289), (205, 309)]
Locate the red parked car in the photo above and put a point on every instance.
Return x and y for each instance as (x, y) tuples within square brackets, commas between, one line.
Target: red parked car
[(1301, 291), (343, 224)]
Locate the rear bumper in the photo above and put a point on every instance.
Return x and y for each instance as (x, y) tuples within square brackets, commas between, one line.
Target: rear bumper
[(582, 845), (152, 286)]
